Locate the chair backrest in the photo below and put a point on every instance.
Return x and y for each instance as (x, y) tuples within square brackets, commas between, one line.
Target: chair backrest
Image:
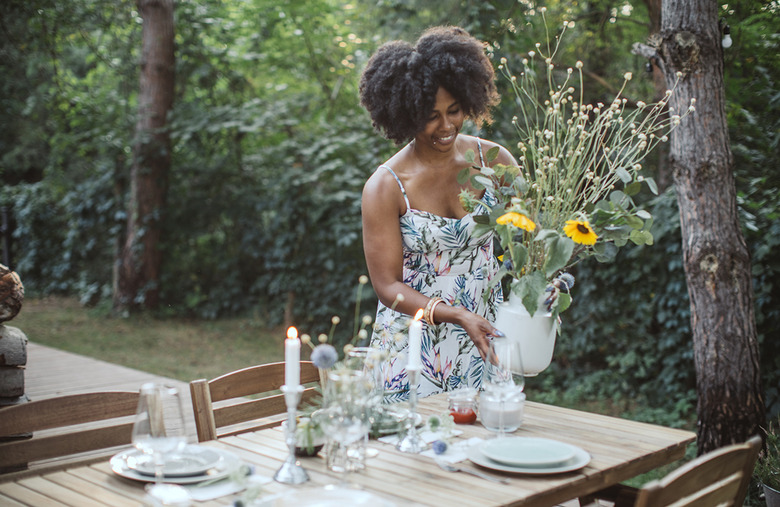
[(718, 478), (68, 425), (239, 413)]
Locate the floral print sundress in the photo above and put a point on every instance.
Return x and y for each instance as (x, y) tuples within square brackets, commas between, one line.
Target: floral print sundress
[(442, 258)]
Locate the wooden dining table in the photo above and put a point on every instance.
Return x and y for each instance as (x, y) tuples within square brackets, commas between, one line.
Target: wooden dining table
[(620, 449)]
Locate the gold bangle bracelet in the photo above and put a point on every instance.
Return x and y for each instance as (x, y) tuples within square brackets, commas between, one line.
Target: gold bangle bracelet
[(427, 310), (433, 309)]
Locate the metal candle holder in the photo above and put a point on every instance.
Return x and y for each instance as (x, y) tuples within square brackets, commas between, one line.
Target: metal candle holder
[(291, 471), (412, 442)]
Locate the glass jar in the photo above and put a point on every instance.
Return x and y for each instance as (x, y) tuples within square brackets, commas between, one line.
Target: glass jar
[(502, 411), (463, 405)]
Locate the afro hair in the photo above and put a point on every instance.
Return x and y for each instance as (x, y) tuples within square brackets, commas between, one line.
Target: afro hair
[(399, 84)]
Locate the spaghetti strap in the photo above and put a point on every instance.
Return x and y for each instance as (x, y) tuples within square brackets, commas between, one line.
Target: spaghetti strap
[(479, 147), (401, 185)]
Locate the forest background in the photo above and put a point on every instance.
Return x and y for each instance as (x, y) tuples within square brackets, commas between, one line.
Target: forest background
[(271, 150)]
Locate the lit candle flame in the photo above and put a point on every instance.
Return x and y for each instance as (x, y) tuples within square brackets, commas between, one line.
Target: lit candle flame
[(419, 314), (292, 333)]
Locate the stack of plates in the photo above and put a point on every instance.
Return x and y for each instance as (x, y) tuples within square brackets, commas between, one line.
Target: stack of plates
[(193, 464), (527, 455)]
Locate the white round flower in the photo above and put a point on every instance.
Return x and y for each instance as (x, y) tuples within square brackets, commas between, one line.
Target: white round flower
[(627, 76), (578, 64)]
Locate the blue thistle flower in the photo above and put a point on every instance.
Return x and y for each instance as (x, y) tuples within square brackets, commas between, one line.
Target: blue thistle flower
[(508, 264), (324, 356), (567, 282), (440, 447)]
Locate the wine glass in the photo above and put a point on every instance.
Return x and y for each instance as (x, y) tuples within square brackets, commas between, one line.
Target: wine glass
[(345, 417), (159, 431), (504, 366), (370, 360), (503, 381)]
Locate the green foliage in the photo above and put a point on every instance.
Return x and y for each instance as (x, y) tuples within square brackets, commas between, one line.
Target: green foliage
[(271, 150)]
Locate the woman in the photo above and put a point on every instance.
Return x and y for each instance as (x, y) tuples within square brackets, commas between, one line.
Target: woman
[(418, 239)]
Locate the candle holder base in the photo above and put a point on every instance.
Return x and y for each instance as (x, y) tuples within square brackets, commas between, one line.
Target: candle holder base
[(411, 441), (291, 471)]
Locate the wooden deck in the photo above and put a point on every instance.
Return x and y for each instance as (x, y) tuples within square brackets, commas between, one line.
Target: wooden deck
[(51, 372)]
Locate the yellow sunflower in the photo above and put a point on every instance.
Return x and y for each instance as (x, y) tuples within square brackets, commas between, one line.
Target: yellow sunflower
[(580, 232), (517, 219)]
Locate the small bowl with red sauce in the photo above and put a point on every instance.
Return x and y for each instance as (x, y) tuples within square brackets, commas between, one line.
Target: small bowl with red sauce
[(463, 405)]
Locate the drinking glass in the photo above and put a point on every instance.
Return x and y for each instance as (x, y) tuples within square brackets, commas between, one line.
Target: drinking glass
[(159, 431), (503, 382), (345, 417), (504, 367)]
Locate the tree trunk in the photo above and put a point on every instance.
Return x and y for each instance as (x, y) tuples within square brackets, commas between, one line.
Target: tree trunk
[(663, 178), (717, 261), (138, 262)]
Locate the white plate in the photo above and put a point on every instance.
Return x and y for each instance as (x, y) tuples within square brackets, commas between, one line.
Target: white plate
[(224, 466), (579, 460), (192, 460), (328, 496), (527, 451)]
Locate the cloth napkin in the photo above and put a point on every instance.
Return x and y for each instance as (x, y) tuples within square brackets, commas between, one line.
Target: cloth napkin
[(225, 487), (456, 451), (426, 435)]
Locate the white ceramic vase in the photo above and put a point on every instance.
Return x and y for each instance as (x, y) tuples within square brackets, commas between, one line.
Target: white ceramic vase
[(536, 334)]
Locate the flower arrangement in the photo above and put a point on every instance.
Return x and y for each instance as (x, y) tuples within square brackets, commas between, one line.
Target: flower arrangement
[(580, 168)]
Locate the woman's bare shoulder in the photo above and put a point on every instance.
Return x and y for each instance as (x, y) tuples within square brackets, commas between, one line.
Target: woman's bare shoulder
[(504, 156)]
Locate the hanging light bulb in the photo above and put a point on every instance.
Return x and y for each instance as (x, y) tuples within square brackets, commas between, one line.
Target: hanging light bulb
[(726, 42)]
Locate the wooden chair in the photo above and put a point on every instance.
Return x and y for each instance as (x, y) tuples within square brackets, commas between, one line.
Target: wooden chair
[(218, 403), (718, 478), (65, 427)]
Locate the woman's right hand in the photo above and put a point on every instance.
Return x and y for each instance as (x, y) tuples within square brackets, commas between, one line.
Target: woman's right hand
[(480, 330)]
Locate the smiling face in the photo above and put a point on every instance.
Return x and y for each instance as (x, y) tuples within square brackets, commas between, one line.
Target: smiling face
[(444, 123)]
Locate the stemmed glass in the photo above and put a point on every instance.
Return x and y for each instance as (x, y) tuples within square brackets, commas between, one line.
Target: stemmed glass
[(159, 431), (503, 381), (345, 416)]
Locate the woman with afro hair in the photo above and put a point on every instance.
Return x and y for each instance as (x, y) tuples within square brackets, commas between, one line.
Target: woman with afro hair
[(419, 241)]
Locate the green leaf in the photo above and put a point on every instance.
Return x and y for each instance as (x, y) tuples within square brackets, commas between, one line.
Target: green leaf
[(463, 175), (546, 234), (519, 254), (644, 215), (487, 171), (634, 222), (470, 157), (563, 301), (624, 175), (479, 182), (492, 154), (605, 252), (559, 251), (652, 185), (530, 289), (641, 237), (633, 188), (482, 219)]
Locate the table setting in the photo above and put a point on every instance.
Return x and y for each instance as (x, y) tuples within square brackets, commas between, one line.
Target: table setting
[(331, 453)]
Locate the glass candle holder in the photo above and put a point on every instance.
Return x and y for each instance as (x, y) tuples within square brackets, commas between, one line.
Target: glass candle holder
[(502, 411)]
